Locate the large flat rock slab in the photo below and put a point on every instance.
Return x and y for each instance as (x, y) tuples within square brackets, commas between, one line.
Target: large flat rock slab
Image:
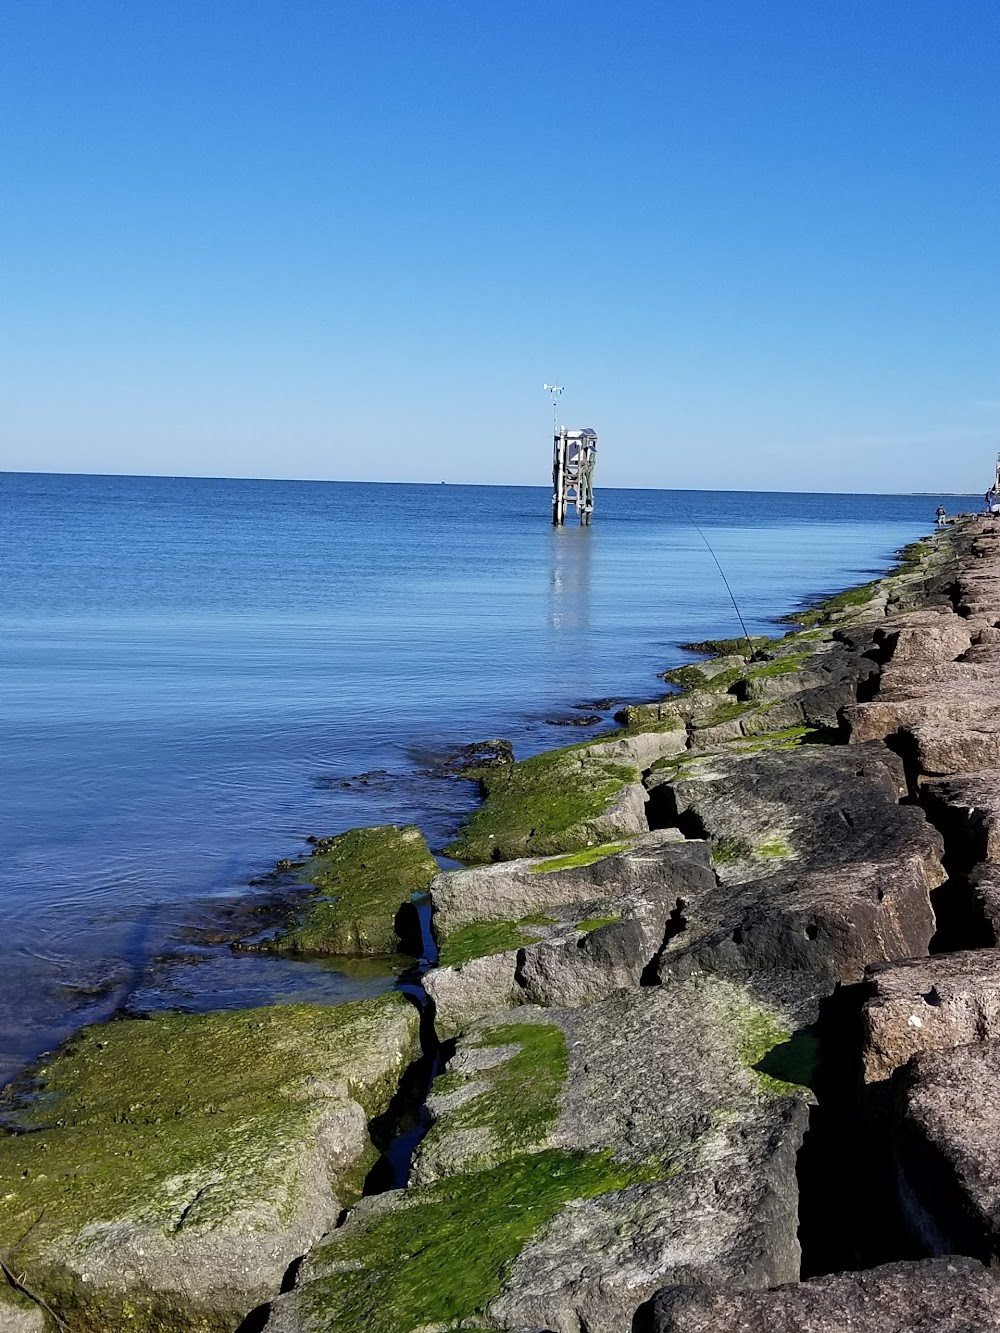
[(169, 1169), (929, 1004), (511, 890), (953, 1295), (579, 1161)]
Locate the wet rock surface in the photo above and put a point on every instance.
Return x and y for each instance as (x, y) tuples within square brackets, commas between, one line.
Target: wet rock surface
[(467, 759)]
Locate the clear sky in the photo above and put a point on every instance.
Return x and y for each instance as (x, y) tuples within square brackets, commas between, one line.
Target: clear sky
[(757, 240)]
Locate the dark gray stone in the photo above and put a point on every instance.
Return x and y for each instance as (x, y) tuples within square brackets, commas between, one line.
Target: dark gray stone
[(952, 1295)]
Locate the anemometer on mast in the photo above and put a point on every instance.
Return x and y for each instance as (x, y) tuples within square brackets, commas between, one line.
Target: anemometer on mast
[(556, 391)]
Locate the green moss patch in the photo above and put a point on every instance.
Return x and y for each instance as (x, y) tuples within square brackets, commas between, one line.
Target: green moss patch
[(480, 938), (726, 850), (541, 806), (520, 1103), (914, 555), (781, 666), (575, 859), (727, 712), (774, 846), (441, 1256), (789, 738), (363, 880), (831, 607), (791, 1062), (726, 647), (596, 922), (176, 1122), (693, 678), (781, 1063)]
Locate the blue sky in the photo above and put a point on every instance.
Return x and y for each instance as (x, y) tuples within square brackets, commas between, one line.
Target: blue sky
[(756, 239)]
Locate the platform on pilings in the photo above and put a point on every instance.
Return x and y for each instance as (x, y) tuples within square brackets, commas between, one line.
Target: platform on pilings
[(574, 454)]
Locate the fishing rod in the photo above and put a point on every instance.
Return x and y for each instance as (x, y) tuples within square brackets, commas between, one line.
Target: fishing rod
[(732, 598)]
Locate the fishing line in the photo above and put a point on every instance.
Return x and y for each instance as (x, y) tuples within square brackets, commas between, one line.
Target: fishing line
[(736, 608)]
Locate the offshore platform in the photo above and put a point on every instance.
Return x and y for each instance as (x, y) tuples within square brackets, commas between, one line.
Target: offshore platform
[(574, 454)]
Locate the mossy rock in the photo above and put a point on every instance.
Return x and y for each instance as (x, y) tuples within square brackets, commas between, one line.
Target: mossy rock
[(696, 677), (19, 1314), (458, 1238), (727, 647), (366, 880), (557, 802), (478, 939), (167, 1170), (565, 1177), (485, 1112)]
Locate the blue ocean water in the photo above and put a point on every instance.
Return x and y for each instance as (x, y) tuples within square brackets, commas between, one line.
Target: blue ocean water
[(195, 671)]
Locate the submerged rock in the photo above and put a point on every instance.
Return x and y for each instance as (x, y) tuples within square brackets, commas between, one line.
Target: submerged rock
[(365, 880), (953, 1295), (164, 1172), (580, 1160), (468, 759)]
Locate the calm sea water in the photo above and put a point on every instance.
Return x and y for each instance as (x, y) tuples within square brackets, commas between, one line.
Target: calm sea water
[(192, 670)]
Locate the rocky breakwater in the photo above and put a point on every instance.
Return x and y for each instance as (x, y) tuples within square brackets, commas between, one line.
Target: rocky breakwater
[(641, 981), (687, 970)]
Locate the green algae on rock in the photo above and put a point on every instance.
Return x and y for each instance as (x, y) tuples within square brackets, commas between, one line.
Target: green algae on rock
[(573, 860), (646, 1109), (502, 1101), (596, 922), (458, 1238), (365, 879), (480, 938), (167, 1170), (556, 802)]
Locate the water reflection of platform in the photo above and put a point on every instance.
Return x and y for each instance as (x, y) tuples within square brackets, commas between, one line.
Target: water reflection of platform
[(569, 583)]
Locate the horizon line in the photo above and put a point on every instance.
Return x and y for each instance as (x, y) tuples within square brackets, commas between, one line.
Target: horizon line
[(470, 485)]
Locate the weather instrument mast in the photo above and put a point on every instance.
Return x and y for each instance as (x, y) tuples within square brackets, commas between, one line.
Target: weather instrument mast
[(574, 453)]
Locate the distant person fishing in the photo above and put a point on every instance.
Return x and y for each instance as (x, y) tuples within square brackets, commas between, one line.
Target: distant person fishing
[(992, 497)]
